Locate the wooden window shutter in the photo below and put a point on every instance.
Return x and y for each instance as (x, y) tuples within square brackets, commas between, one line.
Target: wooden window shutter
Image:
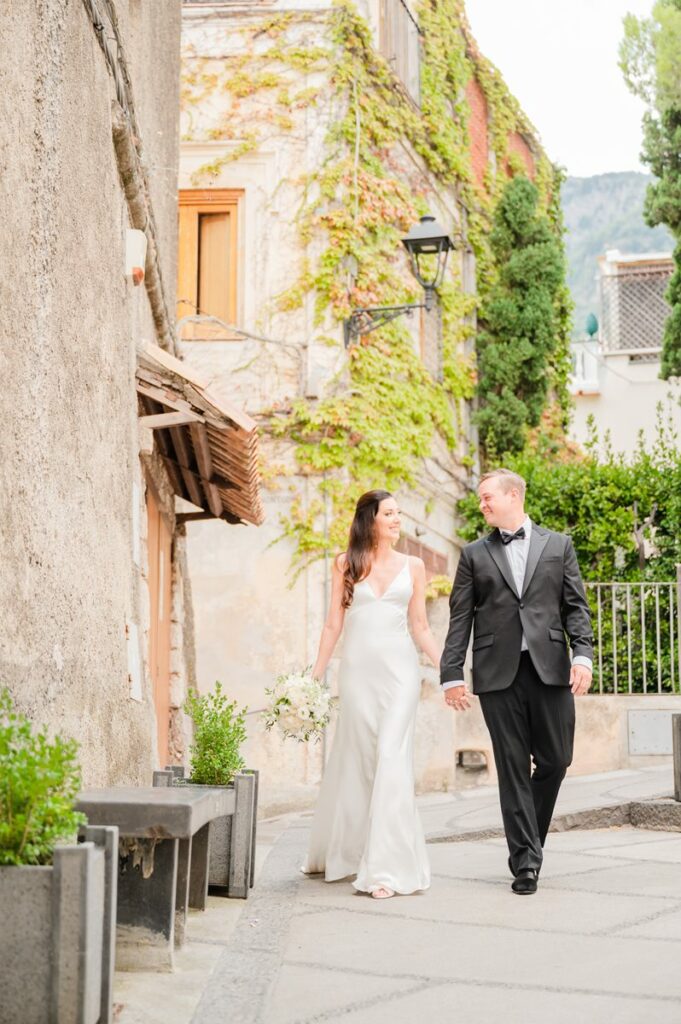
[(399, 42), (207, 260)]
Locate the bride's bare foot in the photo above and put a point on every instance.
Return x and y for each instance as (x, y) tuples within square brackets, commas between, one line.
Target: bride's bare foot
[(382, 894)]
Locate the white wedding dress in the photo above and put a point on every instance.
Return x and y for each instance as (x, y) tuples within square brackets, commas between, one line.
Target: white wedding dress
[(366, 822)]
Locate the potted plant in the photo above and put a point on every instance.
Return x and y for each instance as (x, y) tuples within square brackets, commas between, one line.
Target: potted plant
[(219, 731), (216, 760), (56, 898)]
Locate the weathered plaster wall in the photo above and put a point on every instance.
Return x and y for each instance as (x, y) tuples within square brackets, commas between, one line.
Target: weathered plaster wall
[(71, 482), (182, 650)]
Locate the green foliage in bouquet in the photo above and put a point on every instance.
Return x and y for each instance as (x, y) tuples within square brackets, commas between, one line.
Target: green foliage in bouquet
[(219, 731), (39, 782)]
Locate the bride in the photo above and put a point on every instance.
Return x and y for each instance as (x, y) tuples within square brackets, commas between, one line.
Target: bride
[(366, 822)]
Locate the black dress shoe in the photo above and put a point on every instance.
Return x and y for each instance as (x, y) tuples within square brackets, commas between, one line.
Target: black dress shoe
[(525, 882), (515, 873)]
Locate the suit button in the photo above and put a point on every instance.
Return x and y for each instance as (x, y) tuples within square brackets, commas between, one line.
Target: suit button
[(522, 604)]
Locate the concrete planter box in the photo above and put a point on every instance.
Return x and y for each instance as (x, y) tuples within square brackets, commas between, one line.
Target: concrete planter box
[(232, 837), (57, 935)]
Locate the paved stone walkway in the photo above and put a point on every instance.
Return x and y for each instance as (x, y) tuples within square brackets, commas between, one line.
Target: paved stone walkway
[(601, 938)]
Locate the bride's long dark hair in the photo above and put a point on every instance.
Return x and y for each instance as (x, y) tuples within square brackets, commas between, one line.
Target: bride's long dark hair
[(361, 542)]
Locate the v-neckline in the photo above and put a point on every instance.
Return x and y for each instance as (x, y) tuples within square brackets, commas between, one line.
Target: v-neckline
[(391, 584)]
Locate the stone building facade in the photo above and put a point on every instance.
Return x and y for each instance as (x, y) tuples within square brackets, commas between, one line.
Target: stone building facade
[(245, 156), (90, 606)]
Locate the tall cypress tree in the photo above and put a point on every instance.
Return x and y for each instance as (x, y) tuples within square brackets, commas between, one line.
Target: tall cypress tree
[(520, 325)]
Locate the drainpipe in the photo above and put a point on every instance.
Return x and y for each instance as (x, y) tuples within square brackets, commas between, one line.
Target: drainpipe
[(139, 209)]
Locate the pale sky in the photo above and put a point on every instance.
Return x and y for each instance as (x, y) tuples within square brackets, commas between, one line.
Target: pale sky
[(559, 58)]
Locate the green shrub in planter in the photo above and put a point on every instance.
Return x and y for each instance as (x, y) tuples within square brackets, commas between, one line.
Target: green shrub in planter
[(219, 731), (39, 781)]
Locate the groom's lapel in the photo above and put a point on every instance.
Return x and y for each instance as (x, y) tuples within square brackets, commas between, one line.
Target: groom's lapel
[(537, 544), (496, 550)]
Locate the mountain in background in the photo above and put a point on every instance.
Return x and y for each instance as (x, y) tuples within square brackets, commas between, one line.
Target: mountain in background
[(604, 212)]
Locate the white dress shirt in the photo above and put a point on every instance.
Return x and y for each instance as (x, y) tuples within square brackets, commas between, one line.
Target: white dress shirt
[(517, 552)]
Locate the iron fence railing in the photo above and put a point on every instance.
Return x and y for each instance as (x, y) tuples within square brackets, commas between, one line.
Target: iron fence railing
[(637, 630)]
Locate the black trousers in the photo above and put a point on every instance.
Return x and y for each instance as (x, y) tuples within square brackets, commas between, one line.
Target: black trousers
[(529, 722)]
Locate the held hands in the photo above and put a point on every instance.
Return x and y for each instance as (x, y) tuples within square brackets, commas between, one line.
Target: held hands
[(580, 680), (457, 697)]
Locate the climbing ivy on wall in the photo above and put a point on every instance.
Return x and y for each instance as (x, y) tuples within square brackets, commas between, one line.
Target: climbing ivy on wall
[(379, 417)]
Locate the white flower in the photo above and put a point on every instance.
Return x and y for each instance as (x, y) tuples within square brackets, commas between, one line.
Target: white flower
[(296, 695), (299, 705)]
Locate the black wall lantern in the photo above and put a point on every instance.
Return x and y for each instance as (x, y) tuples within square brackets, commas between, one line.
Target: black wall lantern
[(424, 241)]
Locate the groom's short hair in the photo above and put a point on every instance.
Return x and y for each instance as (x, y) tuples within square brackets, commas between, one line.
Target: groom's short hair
[(507, 479)]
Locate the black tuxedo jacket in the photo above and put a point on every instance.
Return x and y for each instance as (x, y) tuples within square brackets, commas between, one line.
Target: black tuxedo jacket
[(552, 604)]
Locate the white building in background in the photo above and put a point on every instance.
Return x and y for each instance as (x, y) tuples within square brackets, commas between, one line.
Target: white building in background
[(616, 372)]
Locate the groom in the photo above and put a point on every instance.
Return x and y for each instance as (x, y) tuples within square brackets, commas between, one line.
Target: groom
[(521, 590)]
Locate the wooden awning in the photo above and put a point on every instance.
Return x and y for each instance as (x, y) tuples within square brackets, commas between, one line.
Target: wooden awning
[(209, 448)]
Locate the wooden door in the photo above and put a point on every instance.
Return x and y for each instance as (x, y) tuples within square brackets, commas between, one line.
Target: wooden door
[(159, 542)]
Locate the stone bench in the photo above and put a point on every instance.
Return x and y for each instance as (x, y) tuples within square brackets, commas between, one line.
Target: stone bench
[(164, 850)]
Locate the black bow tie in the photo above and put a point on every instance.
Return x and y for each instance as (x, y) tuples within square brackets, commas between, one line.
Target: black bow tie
[(506, 538)]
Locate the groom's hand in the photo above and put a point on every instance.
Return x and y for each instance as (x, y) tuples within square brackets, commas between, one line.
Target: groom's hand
[(580, 680), (457, 698)]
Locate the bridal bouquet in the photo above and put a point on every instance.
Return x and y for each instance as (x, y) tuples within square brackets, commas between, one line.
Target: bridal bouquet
[(299, 705)]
